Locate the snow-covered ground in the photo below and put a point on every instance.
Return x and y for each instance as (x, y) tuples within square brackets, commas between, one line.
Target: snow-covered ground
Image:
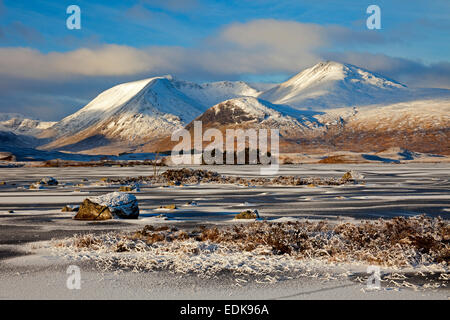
[(37, 277), (387, 191)]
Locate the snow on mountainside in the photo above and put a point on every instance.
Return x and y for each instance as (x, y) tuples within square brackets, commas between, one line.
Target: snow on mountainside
[(333, 85), (139, 111), (18, 124), (130, 106), (209, 94), (259, 112), (161, 99), (420, 125), (320, 106), (413, 115), (245, 113)]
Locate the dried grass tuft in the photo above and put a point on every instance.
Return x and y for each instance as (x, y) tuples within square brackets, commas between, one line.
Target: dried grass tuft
[(264, 247)]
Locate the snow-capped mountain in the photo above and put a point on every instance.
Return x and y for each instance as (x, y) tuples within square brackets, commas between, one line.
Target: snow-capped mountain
[(334, 106), (419, 125), (255, 112), (133, 113), (245, 113), (19, 124), (330, 105), (331, 84), (16, 131), (130, 108)]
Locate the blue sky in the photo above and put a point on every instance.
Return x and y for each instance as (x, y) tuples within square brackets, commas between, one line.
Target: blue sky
[(48, 71)]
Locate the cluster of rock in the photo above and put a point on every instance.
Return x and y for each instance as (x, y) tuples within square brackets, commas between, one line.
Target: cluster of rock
[(195, 176), (129, 188), (49, 181), (46, 181), (190, 175), (125, 206)]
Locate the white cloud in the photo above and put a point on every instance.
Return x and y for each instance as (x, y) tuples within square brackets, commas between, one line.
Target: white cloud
[(107, 60)]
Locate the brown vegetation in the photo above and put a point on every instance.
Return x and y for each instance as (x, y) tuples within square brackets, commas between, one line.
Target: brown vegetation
[(57, 163), (398, 242), (334, 159), (195, 176), (247, 214)]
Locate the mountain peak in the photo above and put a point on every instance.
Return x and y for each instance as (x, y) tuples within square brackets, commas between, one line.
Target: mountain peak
[(140, 111), (331, 84), (329, 64), (335, 71)]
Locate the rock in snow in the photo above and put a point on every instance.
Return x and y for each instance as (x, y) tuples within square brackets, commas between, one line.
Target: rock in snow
[(49, 181), (248, 214), (352, 176), (109, 206), (36, 186)]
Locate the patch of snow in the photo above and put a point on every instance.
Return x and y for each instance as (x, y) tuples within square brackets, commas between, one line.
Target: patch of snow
[(114, 199), (212, 93)]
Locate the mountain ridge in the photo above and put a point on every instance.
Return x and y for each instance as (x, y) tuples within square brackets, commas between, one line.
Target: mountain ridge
[(307, 108), (139, 111)]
